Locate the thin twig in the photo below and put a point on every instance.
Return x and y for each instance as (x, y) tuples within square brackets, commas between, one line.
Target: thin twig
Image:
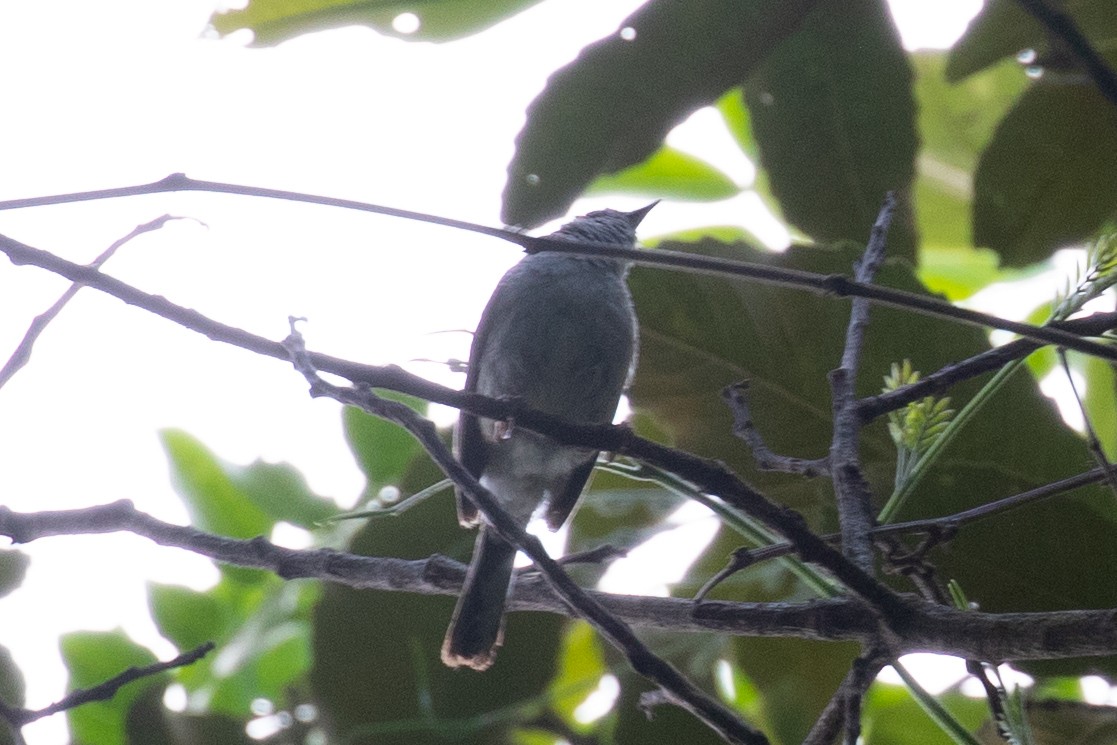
[(934, 525), (181, 182), (711, 476), (22, 354), (9, 714), (105, 691), (677, 688), (832, 285), (1092, 442), (738, 521), (739, 560), (994, 696), (933, 708), (736, 396), (958, 519), (851, 488), (994, 359), (1062, 26), (843, 711)]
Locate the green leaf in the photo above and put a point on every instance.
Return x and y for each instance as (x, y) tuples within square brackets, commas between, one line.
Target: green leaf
[(11, 682), (1101, 403), (527, 736), (260, 675), (892, 717), (186, 617), (281, 493), (612, 106), (738, 120), (723, 233), (262, 631), (696, 656), (151, 723), (265, 650), (669, 173), (957, 273), (1049, 177), (581, 665), (956, 123), (383, 450), (619, 512), (274, 21), (11, 691), (214, 501), (1067, 689), (13, 568), (833, 113), (284, 659), (1003, 28), (957, 120), (794, 680), (732, 108), (93, 657)]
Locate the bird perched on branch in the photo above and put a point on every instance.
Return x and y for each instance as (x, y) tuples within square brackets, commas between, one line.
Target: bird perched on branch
[(559, 334)]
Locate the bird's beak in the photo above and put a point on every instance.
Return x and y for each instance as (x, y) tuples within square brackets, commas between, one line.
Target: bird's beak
[(636, 216)]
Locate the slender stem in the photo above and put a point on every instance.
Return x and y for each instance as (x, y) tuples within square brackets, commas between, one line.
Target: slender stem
[(737, 521), (958, 519), (106, 690), (1092, 441), (943, 718)]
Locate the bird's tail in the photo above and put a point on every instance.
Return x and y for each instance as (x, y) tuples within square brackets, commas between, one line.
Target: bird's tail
[(477, 627)]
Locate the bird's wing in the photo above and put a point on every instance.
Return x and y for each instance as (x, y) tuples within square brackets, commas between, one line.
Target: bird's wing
[(469, 443), (470, 450), (563, 501)]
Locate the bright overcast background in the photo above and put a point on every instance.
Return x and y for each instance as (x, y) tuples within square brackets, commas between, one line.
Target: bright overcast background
[(122, 92)]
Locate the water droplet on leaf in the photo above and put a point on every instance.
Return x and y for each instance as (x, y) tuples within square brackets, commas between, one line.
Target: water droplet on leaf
[(406, 23)]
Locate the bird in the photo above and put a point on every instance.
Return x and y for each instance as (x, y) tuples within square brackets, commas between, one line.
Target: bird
[(559, 334)]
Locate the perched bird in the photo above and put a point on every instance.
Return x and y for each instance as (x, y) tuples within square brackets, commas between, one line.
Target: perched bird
[(559, 333)]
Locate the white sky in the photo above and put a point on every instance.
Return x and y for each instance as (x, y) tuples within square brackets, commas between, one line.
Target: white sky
[(127, 91)]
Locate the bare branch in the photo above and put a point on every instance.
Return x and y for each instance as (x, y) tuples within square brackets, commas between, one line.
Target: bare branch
[(926, 628), (736, 396), (831, 285), (941, 525), (994, 359), (958, 519), (851, 488), (843, 712), (22, 354), (103, 691), (711, 476)]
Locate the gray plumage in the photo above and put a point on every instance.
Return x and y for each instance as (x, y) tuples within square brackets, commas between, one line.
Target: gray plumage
[(559, 333)]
